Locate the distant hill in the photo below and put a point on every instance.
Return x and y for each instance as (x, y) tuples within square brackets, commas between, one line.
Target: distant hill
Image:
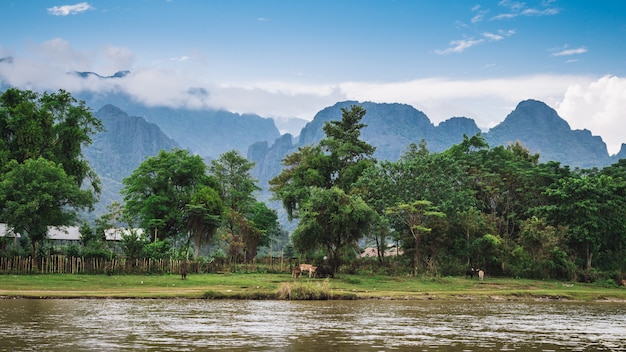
[(540, 129), (392, 127), (207, 132), (116, 152)]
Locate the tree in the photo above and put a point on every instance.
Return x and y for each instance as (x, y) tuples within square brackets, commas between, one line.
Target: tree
[(159, 190), (54, 126), (232, 172), (592, 207), (202, 217), (335, 164), (420, 175), (332, 220), (41, 161), (415, 216), (37, 194), (349, 154), (338, 161), (308, 167), (265, 220)]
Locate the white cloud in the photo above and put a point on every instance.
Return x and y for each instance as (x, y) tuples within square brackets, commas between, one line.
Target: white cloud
[(65, 10), (117, 58), (480, 14), (568, 52), (492, 36), (537, 12), (459, 46), (487, 101), (59, 52), (599, 106), (517, 8), (594, 103)]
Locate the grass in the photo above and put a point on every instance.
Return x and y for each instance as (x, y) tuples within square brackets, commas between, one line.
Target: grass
[(282, 286)]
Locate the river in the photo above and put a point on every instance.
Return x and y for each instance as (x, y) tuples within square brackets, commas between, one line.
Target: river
[(366, 325)]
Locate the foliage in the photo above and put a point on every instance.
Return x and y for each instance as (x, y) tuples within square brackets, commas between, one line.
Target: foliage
[(41, 161), (316, 187), (159, 190), (247, 222), (37, 194), (332, 220), (202, 216)]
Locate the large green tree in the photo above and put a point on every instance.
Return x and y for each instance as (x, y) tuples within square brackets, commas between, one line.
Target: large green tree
[(333, 221), (592, 208), (37, 194), (419, 175), (40, 136), (417, 217), (233, 173), (202, 217), (54, 126), (157, 194), (337, 161), (325, 169)]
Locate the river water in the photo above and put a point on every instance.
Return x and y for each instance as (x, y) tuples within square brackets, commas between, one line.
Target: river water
[(370, 325)]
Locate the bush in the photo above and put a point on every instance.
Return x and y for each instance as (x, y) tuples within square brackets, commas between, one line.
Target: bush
[(305, 291)]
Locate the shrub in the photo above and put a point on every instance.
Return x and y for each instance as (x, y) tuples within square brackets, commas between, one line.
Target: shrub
[(305, 291)]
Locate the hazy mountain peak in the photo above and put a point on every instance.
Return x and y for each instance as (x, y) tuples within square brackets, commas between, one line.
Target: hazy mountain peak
[(86, 74)]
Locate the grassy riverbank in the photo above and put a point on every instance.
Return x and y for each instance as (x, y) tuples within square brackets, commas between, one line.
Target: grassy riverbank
[(269, 286)]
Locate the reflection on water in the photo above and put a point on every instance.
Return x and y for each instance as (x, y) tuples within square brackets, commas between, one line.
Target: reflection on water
[(195, 325)]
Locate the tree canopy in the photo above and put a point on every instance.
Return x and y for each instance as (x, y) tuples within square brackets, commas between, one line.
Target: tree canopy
[(160, 191), (41, 161), (317, 181)]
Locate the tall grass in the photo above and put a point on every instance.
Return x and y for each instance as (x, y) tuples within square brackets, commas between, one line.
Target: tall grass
[(311, 290)]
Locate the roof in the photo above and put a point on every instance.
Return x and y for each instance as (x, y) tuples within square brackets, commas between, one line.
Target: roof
[(66, 233), (6, 232)]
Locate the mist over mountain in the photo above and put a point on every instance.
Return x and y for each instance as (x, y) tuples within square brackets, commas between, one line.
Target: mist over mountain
[(124, 144), (207, 132), (135, 131)]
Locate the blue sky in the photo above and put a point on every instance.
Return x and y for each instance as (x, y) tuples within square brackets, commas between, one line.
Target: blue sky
[(293, 58)]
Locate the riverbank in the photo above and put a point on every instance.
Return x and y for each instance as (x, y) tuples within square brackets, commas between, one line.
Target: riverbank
[(267, 286)]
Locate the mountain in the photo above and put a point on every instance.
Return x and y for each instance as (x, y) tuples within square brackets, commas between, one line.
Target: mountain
[(86, 74), (540, 129), (392, 127), (207, 132), (210, 133), (125, 143)]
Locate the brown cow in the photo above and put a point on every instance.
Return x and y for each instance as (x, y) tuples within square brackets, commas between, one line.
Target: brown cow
[(308, 267), (296, 273)]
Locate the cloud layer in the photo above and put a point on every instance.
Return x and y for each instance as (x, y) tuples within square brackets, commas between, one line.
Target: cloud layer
[(586, 102)]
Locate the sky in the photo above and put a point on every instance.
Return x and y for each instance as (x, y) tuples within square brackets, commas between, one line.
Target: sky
[(283, 59)]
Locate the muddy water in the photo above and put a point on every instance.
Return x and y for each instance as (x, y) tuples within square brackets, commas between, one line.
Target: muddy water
[(198, 325)]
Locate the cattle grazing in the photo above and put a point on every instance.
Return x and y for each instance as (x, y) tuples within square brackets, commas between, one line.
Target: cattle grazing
[(481, 275), (470, 272), (296, 273), (323, 272), (183, 272), (308, 267)]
